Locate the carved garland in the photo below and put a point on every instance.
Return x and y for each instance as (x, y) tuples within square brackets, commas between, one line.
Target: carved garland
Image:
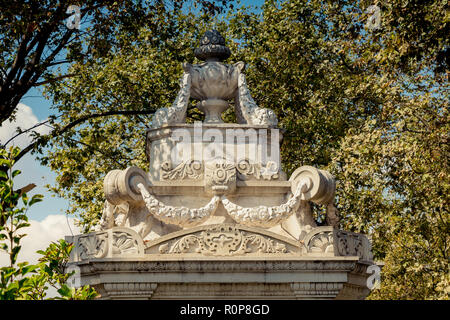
[(263, 216), (181, 216), (177, 112)]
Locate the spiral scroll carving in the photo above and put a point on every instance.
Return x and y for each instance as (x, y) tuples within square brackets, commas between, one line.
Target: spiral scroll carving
[(263, 216)]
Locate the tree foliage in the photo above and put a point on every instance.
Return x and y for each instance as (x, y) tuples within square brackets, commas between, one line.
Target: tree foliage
[(22, 280), (370, 105)]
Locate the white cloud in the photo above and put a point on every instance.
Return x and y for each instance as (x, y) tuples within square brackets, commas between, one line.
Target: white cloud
[(32, 171), (25, 119), (40, 235)]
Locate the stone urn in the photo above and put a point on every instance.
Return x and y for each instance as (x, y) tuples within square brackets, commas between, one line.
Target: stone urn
[(213, 82)]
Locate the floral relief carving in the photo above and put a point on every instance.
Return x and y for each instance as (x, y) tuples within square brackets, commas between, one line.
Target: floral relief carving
[(186, 170), (223, 241), (321, 242), (94, 245), (246, 170), (220, 175)]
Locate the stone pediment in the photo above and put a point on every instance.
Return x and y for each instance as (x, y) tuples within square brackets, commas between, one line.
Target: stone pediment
[(219, 241), (224, 240)]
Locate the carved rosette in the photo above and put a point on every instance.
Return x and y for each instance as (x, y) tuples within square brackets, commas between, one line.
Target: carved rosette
[(223, 241), (220, 176)]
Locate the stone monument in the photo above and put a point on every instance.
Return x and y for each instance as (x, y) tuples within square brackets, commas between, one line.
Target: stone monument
[(215, 217)]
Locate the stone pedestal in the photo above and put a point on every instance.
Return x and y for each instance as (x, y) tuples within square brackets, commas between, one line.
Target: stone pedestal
[(215, 216), (224, 262)]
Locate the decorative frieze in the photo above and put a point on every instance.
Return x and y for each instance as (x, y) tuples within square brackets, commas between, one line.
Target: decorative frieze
[(191, 169), (223, 241)]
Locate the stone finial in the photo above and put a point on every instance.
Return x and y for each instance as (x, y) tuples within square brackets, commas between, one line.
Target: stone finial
[(212, 47)]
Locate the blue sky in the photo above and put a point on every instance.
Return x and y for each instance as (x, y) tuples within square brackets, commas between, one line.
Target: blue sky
[(32, 171), (48, 219)]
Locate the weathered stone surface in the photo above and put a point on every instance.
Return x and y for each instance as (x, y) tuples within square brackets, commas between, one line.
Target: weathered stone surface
[(215, 216)]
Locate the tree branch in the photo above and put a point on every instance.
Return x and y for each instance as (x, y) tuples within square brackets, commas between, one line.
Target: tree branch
[(69, 126), (36, 84)]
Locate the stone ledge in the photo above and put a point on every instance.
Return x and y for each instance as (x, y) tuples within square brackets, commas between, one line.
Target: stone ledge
[(226, 279)]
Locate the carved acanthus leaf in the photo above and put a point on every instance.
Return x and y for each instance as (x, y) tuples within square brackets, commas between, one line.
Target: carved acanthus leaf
[(191, 169)]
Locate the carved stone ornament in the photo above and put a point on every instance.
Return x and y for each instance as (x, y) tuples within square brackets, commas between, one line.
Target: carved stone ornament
[(177, 112), (225, 222), (213, 83), (124, 243), (180, 216), (223, 240), (247, 170), (220, 176), (117, 241), (212, 46), (191, 169), (353, 244), (321, 242), (263, 216), (94, 245), (246, 109)]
